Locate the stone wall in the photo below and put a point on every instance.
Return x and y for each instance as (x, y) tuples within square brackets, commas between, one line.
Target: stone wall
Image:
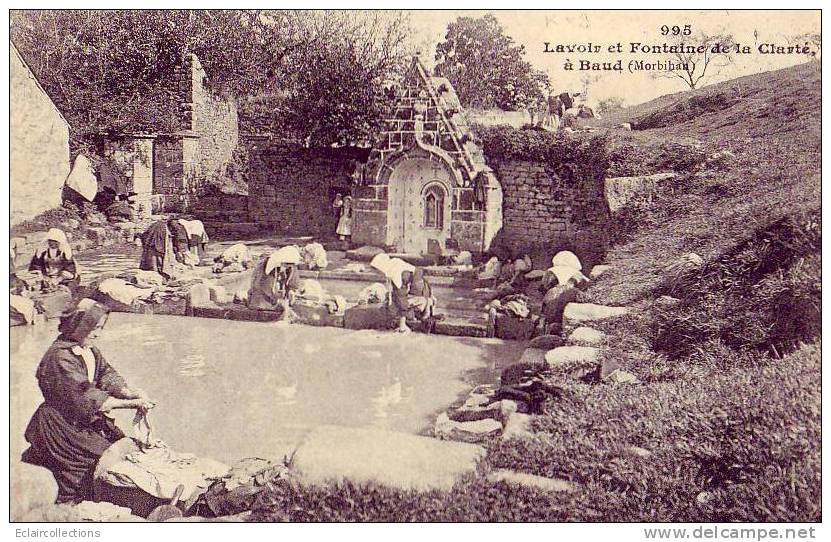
[(290, 188), (543, 211), (219, 208), (188, 161), (39, 145), (214, 120)]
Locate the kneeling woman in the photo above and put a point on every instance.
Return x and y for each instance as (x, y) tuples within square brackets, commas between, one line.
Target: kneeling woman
[(409, 292), (54, 262), (275, 281), (71, 429)]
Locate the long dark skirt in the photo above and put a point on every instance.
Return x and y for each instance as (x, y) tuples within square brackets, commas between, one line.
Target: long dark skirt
[(69, 450), (153, 260)]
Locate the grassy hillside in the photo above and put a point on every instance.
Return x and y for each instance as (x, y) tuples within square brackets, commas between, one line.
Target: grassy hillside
[(770, 122), (725, 421)]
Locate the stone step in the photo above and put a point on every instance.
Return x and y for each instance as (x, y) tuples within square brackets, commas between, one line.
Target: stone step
[(568, 357), (577, 314), (586, 336), (466, 431), (530, 480)]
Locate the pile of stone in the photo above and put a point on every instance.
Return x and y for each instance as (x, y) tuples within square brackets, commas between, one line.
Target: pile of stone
[(580, 355), (491, 411), (479, 418)]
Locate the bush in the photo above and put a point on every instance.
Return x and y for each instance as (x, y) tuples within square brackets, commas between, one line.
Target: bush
[(629, 157), (763, 294), (571, 158)]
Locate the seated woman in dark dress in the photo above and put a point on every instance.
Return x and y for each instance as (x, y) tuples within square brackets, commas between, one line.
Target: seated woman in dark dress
[(54, 262), (70, 430)]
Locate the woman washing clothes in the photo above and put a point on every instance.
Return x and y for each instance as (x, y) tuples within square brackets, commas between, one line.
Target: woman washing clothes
[(197, 238), (22, 309), (54, 263), (181, 240), (160, 248), (71, 429), (276, 281), (409, 293), (344, 230)]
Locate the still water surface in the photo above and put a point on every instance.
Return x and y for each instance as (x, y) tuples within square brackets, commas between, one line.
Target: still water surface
[(228, 390)]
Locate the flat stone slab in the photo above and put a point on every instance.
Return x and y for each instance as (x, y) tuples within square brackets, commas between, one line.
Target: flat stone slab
[(532, 355), (473, 431), (586, 336), (518, 426), (458, 327), (398, 460), (566, 356), (530, 480), (576, 314), (599, 270)]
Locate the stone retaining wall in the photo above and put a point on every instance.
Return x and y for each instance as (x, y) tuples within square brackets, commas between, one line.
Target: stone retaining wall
[(542, 210), (291, 188)]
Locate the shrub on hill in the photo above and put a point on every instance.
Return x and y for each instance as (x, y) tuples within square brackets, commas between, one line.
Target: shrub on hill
[(763, 294)]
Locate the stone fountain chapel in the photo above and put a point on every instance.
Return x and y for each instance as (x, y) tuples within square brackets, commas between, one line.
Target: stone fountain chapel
[(425, 185)]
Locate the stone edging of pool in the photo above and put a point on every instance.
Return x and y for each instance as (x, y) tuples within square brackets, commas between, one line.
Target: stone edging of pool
[(211, 298)]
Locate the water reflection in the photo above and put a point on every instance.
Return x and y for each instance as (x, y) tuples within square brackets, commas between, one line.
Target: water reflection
[(192, 365), (234, 389)]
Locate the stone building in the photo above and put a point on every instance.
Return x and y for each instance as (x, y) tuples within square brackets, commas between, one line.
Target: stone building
[(170, 171), (39, 144), (426, 179)]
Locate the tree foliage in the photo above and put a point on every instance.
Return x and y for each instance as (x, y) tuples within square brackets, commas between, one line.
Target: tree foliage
[(486, 67), (314, 74)]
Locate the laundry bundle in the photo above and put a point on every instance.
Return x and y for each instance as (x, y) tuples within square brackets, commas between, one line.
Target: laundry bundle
[(150, 465), (515, 305), (314, 256)]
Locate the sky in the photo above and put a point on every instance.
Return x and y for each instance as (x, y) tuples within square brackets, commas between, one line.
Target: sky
[(533, 28)]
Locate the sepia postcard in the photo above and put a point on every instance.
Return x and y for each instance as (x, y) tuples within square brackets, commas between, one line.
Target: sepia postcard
[(432, 266)]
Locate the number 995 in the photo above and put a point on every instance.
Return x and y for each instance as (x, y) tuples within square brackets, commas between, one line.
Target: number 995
[(676, 30)]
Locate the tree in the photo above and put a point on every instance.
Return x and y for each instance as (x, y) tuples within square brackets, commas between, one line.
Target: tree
[(812, 40), (486, 67), (698, 66), (340, 100), (315, 74), (611, 103)]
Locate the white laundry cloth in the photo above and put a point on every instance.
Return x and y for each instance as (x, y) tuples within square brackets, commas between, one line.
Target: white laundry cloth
[(122, 291), (314, 256), (158, 470), (237, 253), (82, 178), (194, 227), (23, 306)]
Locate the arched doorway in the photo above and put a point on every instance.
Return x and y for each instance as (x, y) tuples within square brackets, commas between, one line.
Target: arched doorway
[(419, 204)]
